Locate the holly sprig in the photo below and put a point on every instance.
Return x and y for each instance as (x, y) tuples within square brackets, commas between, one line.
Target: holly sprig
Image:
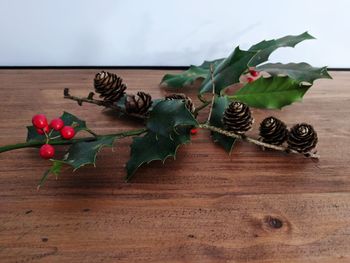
[(269, 85), (170, 123)]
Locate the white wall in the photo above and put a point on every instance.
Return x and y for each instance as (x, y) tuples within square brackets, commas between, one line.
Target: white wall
[(172, 32)]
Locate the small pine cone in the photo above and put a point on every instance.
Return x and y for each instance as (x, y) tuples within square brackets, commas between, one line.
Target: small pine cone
[(273, 131), (110, 87), (237, 118), (139, 105), (179, 96), (302, 138)]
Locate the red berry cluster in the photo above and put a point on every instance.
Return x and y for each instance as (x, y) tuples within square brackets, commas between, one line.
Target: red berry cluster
[(42, 127), (253, 75)]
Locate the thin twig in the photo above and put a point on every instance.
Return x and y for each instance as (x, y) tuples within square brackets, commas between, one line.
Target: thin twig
[(213, 91), (201, 107), (257, 142), (103, 103)]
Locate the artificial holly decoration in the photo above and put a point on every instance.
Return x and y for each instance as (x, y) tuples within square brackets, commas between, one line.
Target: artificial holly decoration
[(170, 121), (47, 151), (273, 131), (43, 131), (39, 121), (139, 104), (110, 86), (67, 132), (237, 118), (194, 131), (56, 124), (180, 96), (302, 138)]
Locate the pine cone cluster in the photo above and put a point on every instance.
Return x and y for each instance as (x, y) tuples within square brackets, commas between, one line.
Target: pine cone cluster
[(237, 118), (273, 131), (110, 87), (179, 96), (302, 138), (139, 104)]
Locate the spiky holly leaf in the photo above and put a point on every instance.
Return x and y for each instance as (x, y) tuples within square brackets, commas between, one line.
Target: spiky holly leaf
[(68, 119), (271, 93), (298, 71), (152, 146), (266, 47), (228, 71), (55, 170), (219, 107), (206, 64), (78, 155), (85, 152), (185, 78), (168, 115)]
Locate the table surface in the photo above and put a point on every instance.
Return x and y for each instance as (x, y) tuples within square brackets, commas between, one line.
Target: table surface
[(205, 206)]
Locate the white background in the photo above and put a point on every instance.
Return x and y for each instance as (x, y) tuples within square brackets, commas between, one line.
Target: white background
[(173, 32)]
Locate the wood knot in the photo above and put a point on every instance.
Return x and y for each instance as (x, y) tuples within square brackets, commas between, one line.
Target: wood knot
[(273, 222)]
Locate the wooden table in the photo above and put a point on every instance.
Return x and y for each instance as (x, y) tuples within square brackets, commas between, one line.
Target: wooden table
[(206, 206)]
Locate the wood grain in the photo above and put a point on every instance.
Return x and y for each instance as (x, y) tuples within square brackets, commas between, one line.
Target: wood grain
[(252, 206)]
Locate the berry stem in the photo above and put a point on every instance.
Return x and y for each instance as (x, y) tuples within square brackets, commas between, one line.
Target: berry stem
[(255, 141), (35, 144)]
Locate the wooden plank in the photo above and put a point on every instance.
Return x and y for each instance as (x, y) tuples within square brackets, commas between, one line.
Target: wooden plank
[(252, 206)]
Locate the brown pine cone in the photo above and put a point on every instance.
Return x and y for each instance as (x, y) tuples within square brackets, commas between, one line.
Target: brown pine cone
[(302, 138), (179, 96), (273, 131), (139, 105), (110, 87), (237, 118)]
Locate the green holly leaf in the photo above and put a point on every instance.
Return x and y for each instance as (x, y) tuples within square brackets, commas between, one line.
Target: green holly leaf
[(68, 119), (219, 107), (298, 71), (83, 153), (206, 64), (185, 78), (168, 115), (228, 71), (152, 147), (271, 93), (265, 48), (55, 170)]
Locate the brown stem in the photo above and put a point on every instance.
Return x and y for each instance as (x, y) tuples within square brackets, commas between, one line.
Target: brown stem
[(257, 142), (103, 103), (213, 91)]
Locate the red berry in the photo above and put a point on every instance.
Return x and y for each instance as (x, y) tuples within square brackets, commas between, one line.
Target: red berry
[(67, 132), (254, 73), (57, 124), (47, 151), (43, 131), (250, 80), (39, 121), (194, 131)]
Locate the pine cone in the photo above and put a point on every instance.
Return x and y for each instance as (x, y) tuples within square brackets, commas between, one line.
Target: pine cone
[(237, 118), (273, 131), (179, 96), (110, 87), (139, 105), (302, 138)]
